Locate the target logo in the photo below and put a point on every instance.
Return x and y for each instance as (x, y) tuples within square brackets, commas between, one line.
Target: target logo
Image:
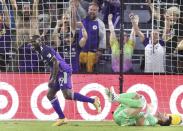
[(41, 106), (9, 101), (148, 91), (176, 100), (84, 110)]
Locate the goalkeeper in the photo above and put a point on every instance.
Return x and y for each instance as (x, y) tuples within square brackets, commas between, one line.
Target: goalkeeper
[(129, 112)]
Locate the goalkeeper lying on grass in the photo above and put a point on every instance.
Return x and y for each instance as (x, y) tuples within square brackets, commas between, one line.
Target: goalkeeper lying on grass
[(129, 112)]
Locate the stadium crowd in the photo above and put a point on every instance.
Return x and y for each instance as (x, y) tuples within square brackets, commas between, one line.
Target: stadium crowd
[(87, 35)]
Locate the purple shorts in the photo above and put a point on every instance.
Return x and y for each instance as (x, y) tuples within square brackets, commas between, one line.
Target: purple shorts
[(63, 81)]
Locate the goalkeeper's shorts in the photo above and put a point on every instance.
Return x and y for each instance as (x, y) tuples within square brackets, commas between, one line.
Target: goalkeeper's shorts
[(121, 117), (88, 58)]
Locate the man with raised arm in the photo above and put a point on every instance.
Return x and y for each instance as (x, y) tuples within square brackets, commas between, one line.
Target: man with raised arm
[(26, 18), (65, 37), (128, 46)]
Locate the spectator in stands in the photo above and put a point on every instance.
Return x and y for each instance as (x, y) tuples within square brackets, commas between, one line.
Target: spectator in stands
[(129, 44), (96, 41), (66, 39), (26, 21), (111, 7), (11, 13), (5, 36), (26, 26), (170, 35), (172, 32), (83, 5), (154, 51), (179, 50)]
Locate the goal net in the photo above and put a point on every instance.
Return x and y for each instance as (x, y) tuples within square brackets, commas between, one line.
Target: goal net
[(24, 77), (167, 19), (160, 81)]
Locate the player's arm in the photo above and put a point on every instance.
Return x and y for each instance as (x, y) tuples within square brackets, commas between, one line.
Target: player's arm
[(7, 17), (55, 68), (54, 72), (84, 37)]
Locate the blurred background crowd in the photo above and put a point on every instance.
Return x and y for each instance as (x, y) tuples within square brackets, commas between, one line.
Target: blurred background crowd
[(88, 35)]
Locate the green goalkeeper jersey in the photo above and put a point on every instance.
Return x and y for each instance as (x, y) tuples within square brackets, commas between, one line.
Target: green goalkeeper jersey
[(150, 120), (122, 118)]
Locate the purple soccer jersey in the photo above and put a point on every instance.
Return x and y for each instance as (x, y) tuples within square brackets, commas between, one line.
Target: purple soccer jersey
[(64, 75)]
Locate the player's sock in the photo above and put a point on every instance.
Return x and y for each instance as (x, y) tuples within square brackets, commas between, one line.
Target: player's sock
[(79, 97), (111, 94), (133, 103), (56, 105)]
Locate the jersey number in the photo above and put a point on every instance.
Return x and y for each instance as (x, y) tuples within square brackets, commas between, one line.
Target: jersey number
[(63, 80)]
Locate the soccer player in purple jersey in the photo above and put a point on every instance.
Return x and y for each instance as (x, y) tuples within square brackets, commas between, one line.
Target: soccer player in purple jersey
[(60, 79)]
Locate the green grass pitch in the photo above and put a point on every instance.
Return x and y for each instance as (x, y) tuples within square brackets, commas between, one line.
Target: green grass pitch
[(78, 126)]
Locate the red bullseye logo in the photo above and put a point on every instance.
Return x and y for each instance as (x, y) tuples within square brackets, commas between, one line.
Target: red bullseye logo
[(176, 101), (87, 111), (9, 101), (41, 106)]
